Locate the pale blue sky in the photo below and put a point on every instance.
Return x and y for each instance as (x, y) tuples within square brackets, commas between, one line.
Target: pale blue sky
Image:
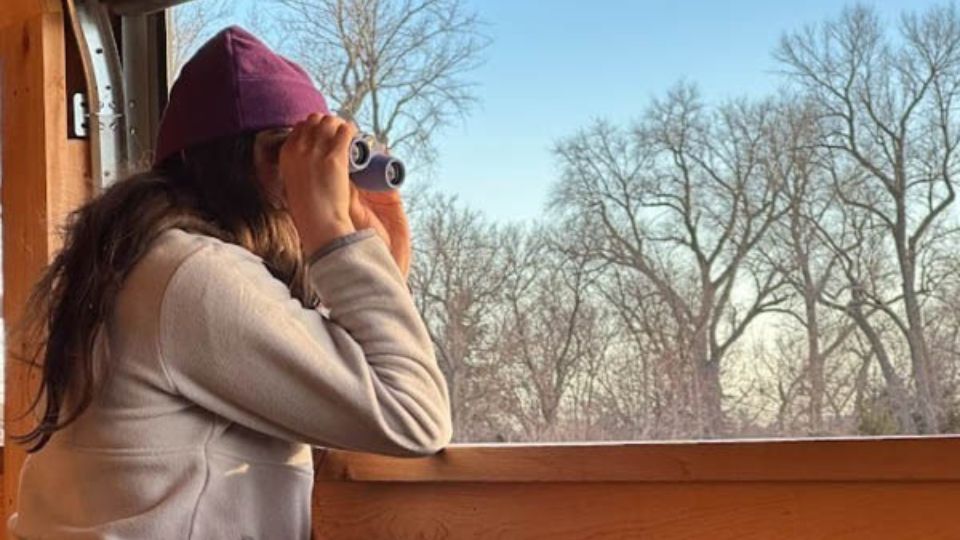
[(554, 66)]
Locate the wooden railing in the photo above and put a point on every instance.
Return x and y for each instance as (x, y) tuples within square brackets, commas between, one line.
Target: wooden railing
[(868, 489), (778, 490)]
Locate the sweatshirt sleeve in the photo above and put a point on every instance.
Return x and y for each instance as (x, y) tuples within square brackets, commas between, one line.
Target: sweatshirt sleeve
[(233, 340)]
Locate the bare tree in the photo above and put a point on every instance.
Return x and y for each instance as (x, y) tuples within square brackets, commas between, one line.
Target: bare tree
[(888, 107), (399, 67), (586, 415), (944, 333), (681, 202), (551, 328), (646, 380), (795, 248), (863, 259), (190, 25), (457, 275)]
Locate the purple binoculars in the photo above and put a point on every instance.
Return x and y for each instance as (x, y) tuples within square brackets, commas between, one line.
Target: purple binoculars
[(372, 170)]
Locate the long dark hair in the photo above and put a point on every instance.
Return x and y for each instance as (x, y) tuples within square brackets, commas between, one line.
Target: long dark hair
[(209, 189)]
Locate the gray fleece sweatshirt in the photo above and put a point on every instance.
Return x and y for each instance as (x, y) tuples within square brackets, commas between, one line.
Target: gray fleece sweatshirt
[(218, 383)]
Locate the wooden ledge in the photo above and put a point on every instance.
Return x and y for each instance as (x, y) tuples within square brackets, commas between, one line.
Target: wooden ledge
[(907, 459)]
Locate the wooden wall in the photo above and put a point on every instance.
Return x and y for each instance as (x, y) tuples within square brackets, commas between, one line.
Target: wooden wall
[(44, 176), (764, 490)]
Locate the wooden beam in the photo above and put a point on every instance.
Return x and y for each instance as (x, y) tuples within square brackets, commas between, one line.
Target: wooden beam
[(16, 11), (613, 511), (789, 490), (804, 460), (44, 177)]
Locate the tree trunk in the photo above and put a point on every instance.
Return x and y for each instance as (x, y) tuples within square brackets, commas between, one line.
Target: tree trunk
[(711, 399), (927, 395), (708, 393), (924, 380), (815, 363), (898, 394)]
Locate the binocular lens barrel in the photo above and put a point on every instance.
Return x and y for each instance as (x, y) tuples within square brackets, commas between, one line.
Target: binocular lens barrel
[(372, 170), (383, 173), (360, 154)]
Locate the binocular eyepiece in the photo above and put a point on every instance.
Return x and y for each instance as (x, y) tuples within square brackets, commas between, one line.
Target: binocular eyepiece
[(372, 170)]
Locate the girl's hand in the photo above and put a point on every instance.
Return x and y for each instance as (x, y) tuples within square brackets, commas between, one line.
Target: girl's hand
[(314, 167), (383, 212)]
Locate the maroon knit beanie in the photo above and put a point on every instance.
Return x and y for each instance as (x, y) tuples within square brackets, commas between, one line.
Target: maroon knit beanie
[(234, 84)]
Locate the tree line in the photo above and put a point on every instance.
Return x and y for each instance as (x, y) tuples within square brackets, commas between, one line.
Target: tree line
[(775, 266), (781, 265)]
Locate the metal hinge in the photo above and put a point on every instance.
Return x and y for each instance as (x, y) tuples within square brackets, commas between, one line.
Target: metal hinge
[(81, 115)]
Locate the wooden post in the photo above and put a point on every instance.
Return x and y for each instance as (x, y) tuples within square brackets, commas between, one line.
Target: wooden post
[(44, 176)]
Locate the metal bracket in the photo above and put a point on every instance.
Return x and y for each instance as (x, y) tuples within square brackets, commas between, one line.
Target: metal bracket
[(80, 114), (105, 99)]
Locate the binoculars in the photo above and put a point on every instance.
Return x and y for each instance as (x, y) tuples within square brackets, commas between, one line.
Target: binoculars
[(372, 170)]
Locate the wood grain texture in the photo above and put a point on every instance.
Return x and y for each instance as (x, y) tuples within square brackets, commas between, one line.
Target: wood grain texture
[(891, 459), (665, 511), (16, 11), (829, 489), (44, 177)]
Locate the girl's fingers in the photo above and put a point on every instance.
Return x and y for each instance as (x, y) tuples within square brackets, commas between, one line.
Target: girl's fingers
[(326, 128), (303, 136), (343, 139), (308, 127), (296, 134)]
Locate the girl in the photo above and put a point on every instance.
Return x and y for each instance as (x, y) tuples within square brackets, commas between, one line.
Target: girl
[(206, 321)]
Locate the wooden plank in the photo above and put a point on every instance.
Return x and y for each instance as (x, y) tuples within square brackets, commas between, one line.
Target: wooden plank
[(847, 460), (667, 511), (16, 11), (789, 490), (44, 177)]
